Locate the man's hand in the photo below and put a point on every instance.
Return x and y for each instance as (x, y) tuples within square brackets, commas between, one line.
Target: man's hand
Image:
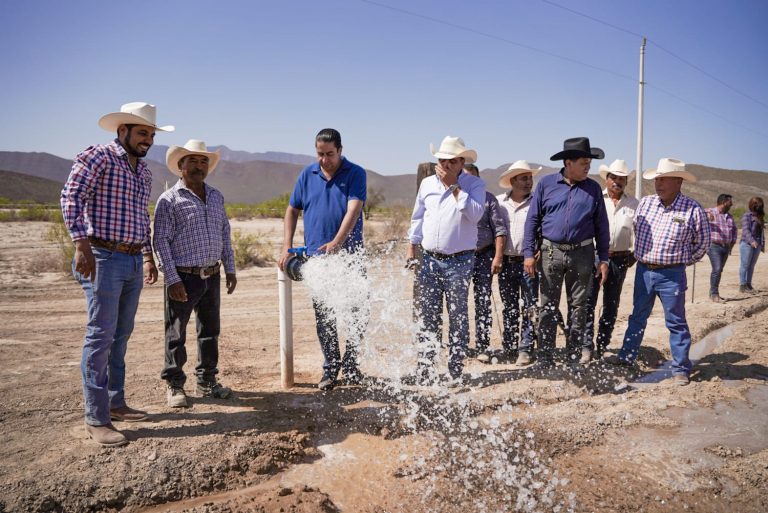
[(411, 262), (529, 266), (177, 292), (602, 272), (496, 264), (284, 257), (85, 262), (150, 272), (330, 248), (231, 283)]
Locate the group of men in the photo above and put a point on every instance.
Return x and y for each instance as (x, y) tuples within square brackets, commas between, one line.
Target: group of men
[(105, 207), (567, 231)]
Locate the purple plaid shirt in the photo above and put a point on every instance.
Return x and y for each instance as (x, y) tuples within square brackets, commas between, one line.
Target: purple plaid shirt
[(104, 197), (678, 234), (722, 227), (190, 232)]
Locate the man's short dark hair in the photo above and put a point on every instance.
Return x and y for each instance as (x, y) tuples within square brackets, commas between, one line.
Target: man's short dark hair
[(128, 126), (723, 198), (329, 135)]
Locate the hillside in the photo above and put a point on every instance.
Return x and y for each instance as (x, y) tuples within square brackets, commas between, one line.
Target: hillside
[(18, 187)]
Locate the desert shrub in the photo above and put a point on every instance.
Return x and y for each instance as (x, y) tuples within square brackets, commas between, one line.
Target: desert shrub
[(59, 234), (396, 225), (250, 249), (274, 207), (45, 262)]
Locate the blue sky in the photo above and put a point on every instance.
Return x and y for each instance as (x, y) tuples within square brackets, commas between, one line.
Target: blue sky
[(513, 78)]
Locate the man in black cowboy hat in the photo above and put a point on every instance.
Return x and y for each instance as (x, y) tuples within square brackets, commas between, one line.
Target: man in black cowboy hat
[(566, 217)]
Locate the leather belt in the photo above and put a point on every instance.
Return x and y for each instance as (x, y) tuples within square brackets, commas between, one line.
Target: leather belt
[(443, 256), (203, 272), (131, 248), (612, 254), (514, 258), (565, 246), (485, 249), (655, 267)]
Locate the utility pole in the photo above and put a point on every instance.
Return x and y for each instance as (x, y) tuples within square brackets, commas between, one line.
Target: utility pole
[(639, 172)]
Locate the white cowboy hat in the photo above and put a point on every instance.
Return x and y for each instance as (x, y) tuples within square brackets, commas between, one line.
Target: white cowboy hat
[(453, 147), (134, 113), (518, 168), (192, 147), (618, 167), (672, 168)]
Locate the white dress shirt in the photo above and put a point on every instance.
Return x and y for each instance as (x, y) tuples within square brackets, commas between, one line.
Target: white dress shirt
[(514, 214), (620, 221), (443, 223)]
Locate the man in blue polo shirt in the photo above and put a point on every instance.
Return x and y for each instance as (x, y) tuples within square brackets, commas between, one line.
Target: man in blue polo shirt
[(566, 220), (331, 192)]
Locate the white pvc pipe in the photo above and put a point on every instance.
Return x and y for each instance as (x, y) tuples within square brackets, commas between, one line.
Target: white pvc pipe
[(639, 172), (286, 329)]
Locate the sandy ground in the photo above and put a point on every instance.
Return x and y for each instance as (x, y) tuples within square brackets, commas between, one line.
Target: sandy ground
[(569, 439)]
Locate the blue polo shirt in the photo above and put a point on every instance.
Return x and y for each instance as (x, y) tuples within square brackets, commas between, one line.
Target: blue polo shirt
[(324, 203)]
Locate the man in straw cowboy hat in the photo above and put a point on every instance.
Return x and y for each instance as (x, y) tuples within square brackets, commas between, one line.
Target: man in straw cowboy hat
[(192, 240), (444, 221), (104, 203), (514, 282), (568, 212), (621, 212), (331, 193), (722, 226), (489, 257), (671, 232)]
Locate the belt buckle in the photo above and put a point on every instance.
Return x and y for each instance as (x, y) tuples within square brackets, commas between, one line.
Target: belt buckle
[(203, 274)]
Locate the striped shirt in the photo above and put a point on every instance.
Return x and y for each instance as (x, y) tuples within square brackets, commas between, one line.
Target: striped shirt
[(722, 226), (752, 230), (105, 197), (190, 232), (678, 234), (514, 215)]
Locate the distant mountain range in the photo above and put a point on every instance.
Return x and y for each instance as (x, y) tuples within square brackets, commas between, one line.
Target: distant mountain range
[(245, 177)]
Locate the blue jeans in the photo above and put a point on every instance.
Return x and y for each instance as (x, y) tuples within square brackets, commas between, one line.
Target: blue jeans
[(617, 271), (515, 284), (482, 282), (327, 334), (112, 300), (670, 285), (748, 259), (204, 298), (717, 257), (448, 276)]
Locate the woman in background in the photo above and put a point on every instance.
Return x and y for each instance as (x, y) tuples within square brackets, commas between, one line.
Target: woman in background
[(752, 242)]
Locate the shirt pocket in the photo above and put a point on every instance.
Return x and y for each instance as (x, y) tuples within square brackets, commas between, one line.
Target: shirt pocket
[(678, 231)]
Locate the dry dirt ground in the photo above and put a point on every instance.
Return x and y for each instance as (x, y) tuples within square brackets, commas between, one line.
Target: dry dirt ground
[(569, 439)]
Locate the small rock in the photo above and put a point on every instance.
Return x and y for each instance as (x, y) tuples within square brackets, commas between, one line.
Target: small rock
[(282, 492), (152, 456)]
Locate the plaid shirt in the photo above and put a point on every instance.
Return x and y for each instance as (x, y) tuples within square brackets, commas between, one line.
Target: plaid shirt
[(104, 197), (722, 226), (678, 234), (190, 232)]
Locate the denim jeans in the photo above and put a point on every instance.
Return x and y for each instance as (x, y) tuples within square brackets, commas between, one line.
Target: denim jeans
[(482, 282), (748, 259), (617, 271), (575, 269), (204, 298), (450, 277), (670, 285), (516, 285), (717, 257), (112, 300)]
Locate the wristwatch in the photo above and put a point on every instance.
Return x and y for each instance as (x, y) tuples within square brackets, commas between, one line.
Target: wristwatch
[(454, 187)]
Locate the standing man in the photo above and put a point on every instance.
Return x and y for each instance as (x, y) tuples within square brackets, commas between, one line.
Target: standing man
[(621, 213), (104, 204), (723, 230), (489, 257), (192, 240), (671, 232), (331, 192), (514, 282), (568, 212), (444, 221)]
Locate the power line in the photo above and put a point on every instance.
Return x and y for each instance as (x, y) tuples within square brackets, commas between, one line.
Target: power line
[(671, 53)]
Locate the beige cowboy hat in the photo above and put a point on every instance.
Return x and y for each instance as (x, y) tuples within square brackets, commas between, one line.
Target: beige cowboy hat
[(618, 167), (453, 147), (672, 168), (134, 113), (192, 147), (518, 168)]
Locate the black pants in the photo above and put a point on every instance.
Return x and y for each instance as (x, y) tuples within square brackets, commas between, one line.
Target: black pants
[(204, 298)]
